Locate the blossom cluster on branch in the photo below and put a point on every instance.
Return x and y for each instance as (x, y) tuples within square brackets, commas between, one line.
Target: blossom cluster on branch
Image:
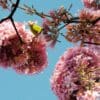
[(86, 31), (29, 57), (77, 73)]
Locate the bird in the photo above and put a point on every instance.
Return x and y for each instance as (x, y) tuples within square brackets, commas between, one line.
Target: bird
[(35, 28)]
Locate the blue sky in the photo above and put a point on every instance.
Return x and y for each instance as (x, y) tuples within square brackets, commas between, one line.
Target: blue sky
[(36, 87)]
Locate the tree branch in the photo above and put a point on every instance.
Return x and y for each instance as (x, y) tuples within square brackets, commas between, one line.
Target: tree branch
[(10, 16), (12, 12), (91, 43), (12, 21), (72, 20)]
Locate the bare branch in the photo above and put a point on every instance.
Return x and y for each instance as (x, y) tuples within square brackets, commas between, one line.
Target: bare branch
[(10, 16), (12, 21), (91, 43)]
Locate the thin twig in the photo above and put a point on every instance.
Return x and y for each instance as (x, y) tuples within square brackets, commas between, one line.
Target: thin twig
[(33, 11), (72, 20), (12, 12), (75, 20), (10, 16), (12, 21), (15, 8), (91, 43)]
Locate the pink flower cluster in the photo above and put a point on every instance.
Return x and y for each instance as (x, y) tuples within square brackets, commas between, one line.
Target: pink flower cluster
[(51, 24), (29, 57), (37, 58), (88, 30), (89, 95), (77, 73), (92, 3), (71, 74), (89, 13)]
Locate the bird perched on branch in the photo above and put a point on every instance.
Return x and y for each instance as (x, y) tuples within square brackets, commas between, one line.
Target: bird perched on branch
[(35, 28)]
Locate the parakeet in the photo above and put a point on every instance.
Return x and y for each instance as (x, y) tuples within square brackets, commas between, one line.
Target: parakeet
[(35, 28)]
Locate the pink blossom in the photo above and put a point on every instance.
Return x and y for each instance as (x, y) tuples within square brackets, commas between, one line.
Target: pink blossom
[(50, 39), (3, 3), (53, 14), (86, 31), (88, 14), (67, 78), (45, 25), (37, 58), (28, 57), (91, 32), (95, 48), (8, 32), (11, 50), (90, 94), (92, 4)]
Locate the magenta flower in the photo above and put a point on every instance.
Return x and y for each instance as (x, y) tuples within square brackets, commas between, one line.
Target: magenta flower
[(37, 58), (72, 72)]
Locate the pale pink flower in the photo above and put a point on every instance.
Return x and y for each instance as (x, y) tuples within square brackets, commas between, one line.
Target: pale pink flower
[(95, 13), (71, 70), (95, 48), (12, 52), (93, 94), (89, 14), (95, 4)]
